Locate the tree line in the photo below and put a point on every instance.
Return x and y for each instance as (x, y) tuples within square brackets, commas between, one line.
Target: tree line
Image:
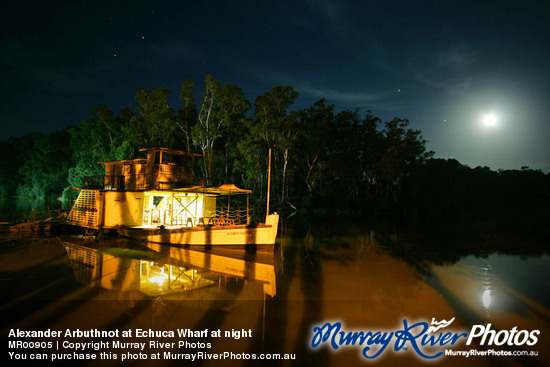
[(322, 160)]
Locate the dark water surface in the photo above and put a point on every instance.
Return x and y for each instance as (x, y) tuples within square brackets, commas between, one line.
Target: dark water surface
[(368, 280)]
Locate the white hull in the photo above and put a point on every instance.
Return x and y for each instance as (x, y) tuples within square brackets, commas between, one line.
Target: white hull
[(262, 234)]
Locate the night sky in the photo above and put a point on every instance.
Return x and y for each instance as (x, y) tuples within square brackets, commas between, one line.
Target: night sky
[(443, 65)]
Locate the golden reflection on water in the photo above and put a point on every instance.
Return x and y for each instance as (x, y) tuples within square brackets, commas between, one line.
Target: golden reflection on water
[(279, 296), (170, 272)]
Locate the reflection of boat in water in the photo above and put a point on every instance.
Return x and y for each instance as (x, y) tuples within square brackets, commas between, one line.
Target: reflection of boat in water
[(233, 264), (155, 199), (168, 271)]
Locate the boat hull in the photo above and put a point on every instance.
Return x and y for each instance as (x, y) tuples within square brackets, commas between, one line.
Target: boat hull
[(239, 235)]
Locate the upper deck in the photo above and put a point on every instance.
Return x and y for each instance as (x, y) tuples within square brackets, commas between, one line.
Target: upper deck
[(162, 169)]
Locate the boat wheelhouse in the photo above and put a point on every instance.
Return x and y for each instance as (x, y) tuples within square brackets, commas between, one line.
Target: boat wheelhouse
[(157, 199)]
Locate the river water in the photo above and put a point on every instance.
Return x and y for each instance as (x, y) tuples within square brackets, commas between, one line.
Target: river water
[(268, 301)]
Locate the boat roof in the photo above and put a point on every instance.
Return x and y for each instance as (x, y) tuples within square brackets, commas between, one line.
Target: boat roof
[(227, 189), (155, 149), (170, 151), (224, 189), (135, 160)]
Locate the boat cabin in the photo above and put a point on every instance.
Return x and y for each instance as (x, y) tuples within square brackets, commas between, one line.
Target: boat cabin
[(155, 191)]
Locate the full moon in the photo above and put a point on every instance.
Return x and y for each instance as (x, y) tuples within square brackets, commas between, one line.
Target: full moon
[(489, 120)]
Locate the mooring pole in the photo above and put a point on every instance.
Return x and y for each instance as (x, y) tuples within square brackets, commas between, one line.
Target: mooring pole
[(268, 182), (247, 206)]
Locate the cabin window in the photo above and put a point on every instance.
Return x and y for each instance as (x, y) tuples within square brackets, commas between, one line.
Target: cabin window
[(157, 200), (173, 159)]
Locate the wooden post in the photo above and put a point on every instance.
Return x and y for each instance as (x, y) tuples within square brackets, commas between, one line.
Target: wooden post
[(171, 208), (247, 206), (268, 181)]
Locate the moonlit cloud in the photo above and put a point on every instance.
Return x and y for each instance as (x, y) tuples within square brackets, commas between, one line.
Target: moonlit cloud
[(451, 70), (457, 58), (375, 100), (334, 14), (450, 84), (340, 96)]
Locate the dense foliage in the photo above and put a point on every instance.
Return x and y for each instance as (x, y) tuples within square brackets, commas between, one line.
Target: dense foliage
[(322, 161)]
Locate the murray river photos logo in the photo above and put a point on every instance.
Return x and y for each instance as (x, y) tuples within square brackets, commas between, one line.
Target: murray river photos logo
[(428, 341)]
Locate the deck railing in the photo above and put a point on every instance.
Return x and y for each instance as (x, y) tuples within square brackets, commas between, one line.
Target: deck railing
[(219, 217), (223, 216), (94, 182), (134, 182)]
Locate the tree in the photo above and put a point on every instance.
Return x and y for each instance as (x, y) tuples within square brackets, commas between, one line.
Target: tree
[(99, 138), (47, 160), (318, 129), (251, 162), (344, 165), (106, 117), (221, 106), (277, 128), (157, 119), (370, 147), (13, 151), (187, 114), (403, 148)]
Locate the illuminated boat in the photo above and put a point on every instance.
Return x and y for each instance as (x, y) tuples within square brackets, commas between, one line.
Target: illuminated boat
[(155, 199)]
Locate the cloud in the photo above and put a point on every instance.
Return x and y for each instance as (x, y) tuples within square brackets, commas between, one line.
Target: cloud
[(380, 100), (339, 96), (309, 87), (458, 58), (335, 15), (450, 70)]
